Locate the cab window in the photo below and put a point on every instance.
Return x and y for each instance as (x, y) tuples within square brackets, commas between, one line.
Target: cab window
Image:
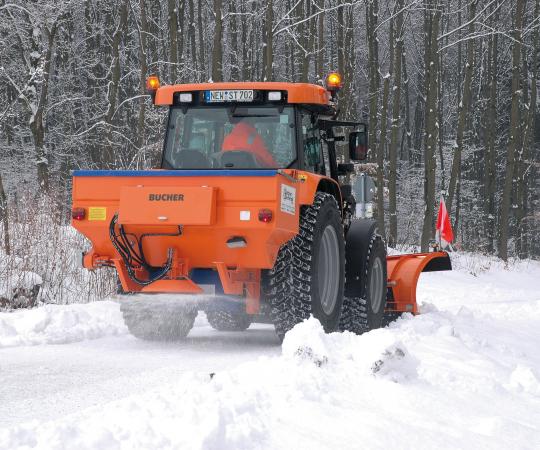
[(311, 141)]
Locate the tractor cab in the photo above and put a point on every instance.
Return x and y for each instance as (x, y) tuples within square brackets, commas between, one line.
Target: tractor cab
[(239, 126)]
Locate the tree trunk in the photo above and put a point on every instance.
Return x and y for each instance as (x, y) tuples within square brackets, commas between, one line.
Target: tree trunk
[(202, 40), (114, 83), (36, 121), (268, 42), (4, 217), (217, 51), (193, 38), (433, 15), (528, 141), (455, 175), (514, 130), (372, 11), (407, 131), (144, 70), (247, 67), (396, 107), (310, 45), (173, 36), (235, 48), (320, 70), (490, 133)]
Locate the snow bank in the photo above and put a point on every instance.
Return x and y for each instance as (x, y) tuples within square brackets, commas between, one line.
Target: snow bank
[(464, 374), (60, 324), (238, 409), (440, 380)]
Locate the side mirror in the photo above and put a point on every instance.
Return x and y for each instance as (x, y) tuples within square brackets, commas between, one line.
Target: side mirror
[(358, 144)]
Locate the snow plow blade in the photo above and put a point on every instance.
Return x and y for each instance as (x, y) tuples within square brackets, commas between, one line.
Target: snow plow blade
[(403, 274)]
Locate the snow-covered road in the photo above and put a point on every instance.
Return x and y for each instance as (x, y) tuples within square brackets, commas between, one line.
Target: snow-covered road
[(63, 379), (464, 374)]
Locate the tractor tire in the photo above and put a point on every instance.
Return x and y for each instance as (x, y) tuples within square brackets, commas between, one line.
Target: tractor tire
[(390, 317), (365, 292), (309, 274), (226, 321), (157, 322)]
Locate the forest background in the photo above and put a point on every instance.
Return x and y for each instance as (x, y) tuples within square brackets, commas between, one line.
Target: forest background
[(448, 88)]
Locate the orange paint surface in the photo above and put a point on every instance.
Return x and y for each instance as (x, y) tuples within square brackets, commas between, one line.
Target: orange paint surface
[(296, 92)]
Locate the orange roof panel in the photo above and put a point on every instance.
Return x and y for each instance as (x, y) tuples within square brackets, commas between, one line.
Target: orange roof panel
[(296, 92)]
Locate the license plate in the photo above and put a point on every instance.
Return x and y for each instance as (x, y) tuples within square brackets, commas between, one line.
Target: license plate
[(228, 96)]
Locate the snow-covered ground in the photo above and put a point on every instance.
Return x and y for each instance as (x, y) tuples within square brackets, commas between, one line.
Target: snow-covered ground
[(463, 374)]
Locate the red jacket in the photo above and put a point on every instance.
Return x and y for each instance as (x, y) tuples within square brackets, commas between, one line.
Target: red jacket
[(245, 137)]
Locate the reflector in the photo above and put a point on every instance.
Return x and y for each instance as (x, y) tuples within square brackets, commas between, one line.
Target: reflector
[(265, 215), (78, 213)]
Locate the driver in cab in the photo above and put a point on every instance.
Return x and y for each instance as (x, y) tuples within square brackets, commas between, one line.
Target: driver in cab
[(245, 138)]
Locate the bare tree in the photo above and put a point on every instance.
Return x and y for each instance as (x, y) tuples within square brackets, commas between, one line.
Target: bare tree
[(268, 58), (396, 118), (455, 175), (217, 51), (514, 130), (431, 27)]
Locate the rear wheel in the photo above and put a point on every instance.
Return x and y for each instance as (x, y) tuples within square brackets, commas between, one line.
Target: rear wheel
[(309, 273), (158, 322), (227, 321)]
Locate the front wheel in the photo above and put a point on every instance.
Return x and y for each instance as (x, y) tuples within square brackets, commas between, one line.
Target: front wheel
[(365, 292), (309, 273)]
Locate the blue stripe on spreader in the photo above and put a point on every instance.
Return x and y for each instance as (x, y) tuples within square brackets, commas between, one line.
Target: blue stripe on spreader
[(175, 173)]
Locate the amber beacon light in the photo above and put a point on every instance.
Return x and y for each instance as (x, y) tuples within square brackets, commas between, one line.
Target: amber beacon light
[(334, 82), (152, 83)]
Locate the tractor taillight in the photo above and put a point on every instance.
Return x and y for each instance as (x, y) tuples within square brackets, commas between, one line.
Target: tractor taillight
[(78, 213), (266, 215)]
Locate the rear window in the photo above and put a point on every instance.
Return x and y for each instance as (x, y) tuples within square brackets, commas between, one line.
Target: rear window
[(233, 137)]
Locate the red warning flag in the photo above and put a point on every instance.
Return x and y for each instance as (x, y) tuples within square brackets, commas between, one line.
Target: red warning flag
[(444, 232)]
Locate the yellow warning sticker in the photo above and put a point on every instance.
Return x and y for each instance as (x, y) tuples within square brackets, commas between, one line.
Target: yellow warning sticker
[(97, 213), (302, 177)]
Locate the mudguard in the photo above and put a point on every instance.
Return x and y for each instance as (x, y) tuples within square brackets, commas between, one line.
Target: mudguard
[(356, 249)]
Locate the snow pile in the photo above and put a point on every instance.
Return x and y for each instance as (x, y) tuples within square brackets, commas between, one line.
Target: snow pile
[(379, 353), (60, 324)]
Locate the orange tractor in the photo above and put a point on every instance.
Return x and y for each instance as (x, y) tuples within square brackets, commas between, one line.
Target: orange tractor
[(247, 219)]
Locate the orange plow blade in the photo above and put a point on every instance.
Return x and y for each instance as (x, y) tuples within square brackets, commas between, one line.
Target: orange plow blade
[(403, 274)]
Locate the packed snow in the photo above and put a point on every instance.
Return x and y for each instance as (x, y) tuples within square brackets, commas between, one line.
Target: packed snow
[(463, 374)]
